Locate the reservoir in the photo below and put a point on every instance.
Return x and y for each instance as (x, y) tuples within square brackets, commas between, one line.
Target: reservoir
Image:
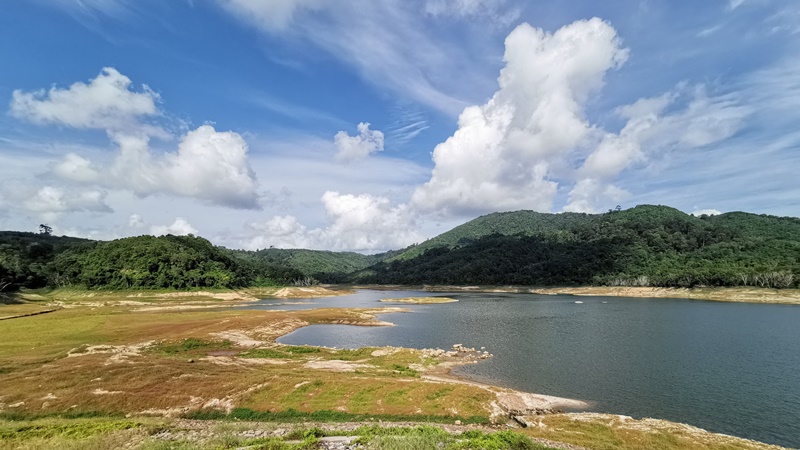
[(731, 368)]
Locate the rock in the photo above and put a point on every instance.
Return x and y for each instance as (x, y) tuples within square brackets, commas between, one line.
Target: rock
[(191, 361), (458, 422)]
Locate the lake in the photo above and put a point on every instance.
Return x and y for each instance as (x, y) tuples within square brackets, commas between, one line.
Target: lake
[(731, 368)]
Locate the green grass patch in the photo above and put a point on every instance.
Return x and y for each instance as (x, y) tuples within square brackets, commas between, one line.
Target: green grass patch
[(281, 352), (405, 371), (439, 393), (299, 350), (351, 355), (73, 430), (429, 437), (190, 345), (294, 416), (18, 416), (265, 353)]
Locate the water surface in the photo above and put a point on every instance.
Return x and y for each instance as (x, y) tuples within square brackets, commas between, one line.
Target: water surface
[(731, 368)]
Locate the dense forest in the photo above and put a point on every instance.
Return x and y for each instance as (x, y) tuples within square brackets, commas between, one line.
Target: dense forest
[(641, 246), (322, 266), (167, 262)]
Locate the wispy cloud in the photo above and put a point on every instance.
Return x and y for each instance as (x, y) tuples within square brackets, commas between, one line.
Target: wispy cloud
[(294, 111), (387, 42), (408, 123)]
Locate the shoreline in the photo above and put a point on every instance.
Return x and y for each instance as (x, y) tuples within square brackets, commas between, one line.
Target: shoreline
[(536, 413), (508, 402), (530, 411), (719, 294)]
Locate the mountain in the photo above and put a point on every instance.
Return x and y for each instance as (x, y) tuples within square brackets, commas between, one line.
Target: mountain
[(324, 266), (505, 223), (642, 246)]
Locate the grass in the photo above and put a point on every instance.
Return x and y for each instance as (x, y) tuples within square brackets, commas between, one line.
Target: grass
[(295, 416), (232, 431), (125, 362), (190, 345)]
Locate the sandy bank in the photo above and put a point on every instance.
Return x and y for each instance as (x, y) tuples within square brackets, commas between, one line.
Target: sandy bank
[(733, 294), (419, 300), (720, 294)]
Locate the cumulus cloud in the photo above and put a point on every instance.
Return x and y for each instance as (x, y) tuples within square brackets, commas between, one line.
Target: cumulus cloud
[(50, 202), (358, 147), (367, 222), (135, 221), (589, 192), (180, 227), (501, 156), (356, 223), (105, 103), (209, 165), (653, 130), (706, 212)]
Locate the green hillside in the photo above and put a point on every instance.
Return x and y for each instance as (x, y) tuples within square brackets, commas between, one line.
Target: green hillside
[(643, 246), (506, 223), (324, 266), (24, 257), (144, 262)]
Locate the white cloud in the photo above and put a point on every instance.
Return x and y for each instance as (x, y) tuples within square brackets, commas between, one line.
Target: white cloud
[(493, 10), (179, 228), (367, 222), (358, 147), (386, 42), (588, 193), (501, 155), (105, 103), (208, 165), (135, 221), (733, 4), (355, 223), (706, 212), (50, 202), (272, 15), (652, 132)]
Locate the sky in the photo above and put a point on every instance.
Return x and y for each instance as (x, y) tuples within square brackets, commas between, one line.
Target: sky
[(361, 125)]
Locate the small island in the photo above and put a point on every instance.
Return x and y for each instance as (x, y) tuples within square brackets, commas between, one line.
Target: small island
[(420, 300)]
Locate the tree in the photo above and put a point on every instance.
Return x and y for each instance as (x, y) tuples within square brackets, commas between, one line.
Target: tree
[(45, 229)]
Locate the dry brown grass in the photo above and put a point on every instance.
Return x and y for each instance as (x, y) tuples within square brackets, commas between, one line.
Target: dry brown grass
[(107, 359), (613, 432)]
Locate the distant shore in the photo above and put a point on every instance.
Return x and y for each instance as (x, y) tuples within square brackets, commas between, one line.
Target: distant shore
[(720, 294)]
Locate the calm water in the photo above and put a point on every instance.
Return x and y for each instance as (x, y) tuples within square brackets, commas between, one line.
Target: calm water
[(732, 368)]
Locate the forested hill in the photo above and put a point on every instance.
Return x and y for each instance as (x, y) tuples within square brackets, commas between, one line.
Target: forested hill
[(143, 262), (323, 266), (643, 246), (505, 223)]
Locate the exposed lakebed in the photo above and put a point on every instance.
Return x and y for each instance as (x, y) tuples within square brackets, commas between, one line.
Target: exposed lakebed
[(731, 368)]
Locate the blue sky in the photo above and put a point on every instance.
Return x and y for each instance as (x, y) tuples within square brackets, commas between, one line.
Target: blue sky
[(360, 125)]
